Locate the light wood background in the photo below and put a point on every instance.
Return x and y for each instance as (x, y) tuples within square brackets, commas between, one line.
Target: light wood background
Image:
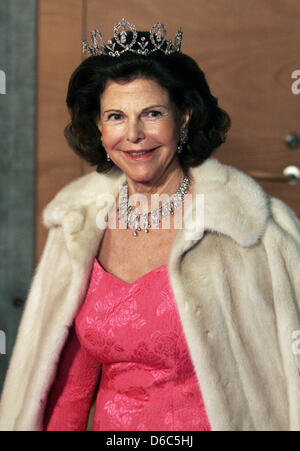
[(248, 50)]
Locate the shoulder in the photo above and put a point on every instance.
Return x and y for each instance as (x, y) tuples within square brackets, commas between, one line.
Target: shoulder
[(79, 193)]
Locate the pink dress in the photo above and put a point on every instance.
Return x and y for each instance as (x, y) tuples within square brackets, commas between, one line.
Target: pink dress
[(130, 337)]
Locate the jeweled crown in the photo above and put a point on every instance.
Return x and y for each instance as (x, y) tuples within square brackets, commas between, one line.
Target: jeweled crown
[(157, 37)]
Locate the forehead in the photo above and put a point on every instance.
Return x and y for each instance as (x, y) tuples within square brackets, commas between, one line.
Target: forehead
[(140, 90)]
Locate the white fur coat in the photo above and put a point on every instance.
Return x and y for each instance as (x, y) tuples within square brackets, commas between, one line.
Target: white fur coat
[(237, 290)]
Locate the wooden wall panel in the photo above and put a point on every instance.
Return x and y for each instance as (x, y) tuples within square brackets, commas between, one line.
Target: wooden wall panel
[(59, 53), (248, 51)]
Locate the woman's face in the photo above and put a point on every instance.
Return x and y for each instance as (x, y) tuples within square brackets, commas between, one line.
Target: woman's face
[(140, 116)]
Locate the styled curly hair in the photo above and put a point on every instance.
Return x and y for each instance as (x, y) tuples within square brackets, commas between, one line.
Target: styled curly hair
[(178, 73)]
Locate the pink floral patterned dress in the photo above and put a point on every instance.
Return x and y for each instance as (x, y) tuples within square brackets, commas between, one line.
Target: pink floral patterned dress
[(129, 336)]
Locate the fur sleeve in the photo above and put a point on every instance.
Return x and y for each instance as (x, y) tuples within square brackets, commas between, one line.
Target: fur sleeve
[(53, 262), (286, 218), (282, 244)]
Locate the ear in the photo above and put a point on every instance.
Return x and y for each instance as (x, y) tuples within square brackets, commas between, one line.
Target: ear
[(185, 118)]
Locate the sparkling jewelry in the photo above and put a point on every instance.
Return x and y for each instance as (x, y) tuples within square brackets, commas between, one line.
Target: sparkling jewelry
[(182, 139), (139, 220), (157, 37)]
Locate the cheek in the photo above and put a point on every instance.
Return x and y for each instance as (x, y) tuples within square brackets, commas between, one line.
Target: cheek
[(165, 132), (111, 135)]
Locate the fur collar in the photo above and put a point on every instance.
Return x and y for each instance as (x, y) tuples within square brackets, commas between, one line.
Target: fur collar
[(234, 203)]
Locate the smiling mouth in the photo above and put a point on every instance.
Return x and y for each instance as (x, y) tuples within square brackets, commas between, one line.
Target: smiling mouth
[(130, 152), (138, 154)]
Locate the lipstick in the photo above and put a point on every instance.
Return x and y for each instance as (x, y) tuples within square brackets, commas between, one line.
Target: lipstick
[(139, 157)]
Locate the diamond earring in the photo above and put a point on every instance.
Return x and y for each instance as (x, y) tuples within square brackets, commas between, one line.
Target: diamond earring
[(182, 139)]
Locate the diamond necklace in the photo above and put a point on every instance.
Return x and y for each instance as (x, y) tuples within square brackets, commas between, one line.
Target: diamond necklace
[(139, 220)]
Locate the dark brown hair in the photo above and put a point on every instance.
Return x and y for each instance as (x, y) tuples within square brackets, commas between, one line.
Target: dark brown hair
[(178, 73)]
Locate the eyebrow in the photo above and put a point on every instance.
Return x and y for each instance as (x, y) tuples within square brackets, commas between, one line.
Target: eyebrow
[(147, 108)]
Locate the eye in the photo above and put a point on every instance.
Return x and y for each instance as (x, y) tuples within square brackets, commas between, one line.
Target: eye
[(157, 113), (113, 114)]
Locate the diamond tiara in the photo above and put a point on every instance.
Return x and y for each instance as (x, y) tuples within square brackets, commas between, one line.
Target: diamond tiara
[(157, 36)]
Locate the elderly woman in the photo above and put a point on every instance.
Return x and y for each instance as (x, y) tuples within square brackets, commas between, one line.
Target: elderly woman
[(159, 325)]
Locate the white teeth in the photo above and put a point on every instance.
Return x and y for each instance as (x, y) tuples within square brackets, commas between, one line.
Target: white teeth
[(139, 153)]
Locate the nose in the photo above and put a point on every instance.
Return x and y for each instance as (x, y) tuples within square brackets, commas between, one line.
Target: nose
[(135, 132)]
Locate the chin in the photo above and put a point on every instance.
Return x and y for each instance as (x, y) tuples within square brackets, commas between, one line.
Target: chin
[(142, 178)]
